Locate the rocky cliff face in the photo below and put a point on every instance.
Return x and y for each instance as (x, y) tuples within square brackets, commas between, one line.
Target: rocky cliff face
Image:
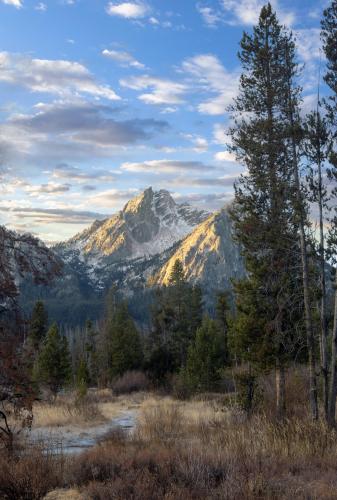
[(148, 224), (22, 256), (209, 255)]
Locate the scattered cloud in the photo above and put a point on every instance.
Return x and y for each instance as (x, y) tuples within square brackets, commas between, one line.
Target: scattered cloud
[(59, 77), (123, 58), (227, 181), (162, 91), (85, 122), (166, 166), (220, 134), (65, 171), (207, 201), (53, 215), (15, 3), (210, 16), (48, 188), (112, 198), (200, 144), (247, 12), (225, 156), (70, 132), (309, 44), (41, 6), (211, 76), (128, 10)]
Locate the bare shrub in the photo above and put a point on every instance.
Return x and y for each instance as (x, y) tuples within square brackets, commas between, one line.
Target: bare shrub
[(30, 476), (131, 381)]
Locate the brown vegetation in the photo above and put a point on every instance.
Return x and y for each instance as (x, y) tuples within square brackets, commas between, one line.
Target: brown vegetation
[(203, 448)]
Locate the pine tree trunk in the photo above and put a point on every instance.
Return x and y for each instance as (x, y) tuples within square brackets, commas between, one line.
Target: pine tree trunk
[(323, 312), (280, 391), (299, 207), (333, 376)]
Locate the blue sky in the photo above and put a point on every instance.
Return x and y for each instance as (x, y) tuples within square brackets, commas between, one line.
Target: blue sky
[(103, 99)]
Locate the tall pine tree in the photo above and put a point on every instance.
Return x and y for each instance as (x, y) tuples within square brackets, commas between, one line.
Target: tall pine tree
[(263, 213), (329, 37)]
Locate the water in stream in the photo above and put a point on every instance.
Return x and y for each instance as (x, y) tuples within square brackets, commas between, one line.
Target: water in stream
[(76, 440)]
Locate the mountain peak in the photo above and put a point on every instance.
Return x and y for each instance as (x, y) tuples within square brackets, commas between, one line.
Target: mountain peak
[(140, 202), (149, 223)]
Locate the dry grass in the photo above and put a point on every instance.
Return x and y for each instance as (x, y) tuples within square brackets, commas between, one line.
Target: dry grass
[(96, 408), (198, 449)]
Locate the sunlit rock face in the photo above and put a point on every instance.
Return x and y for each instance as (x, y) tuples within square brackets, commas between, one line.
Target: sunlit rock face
[(148, 224), (208, 254)]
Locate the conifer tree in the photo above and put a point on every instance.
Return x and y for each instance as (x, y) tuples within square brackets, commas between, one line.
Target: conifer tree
[(222, 309), (316, 147), (124, 348), (176, 315), (206, 356), (91, 352), (263, 214), (82, 378), (292, 121), (38, 324), (177, 276), (329, 37), (53, 367)]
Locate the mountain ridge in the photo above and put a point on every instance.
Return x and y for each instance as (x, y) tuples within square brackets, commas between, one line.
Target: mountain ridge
[(135, 249)]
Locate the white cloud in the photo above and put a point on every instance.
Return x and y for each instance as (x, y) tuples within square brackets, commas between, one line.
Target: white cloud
[(123, 58), (58, 77), (65, 171), (41, 7), (61, 131), (212, 76), (225, 156), (162, 91), (166, 166), (48, 188), (210, 16), (16, 3), (200, 144), (128, 10), (309, 44), (247, 12), (111, 198), (220, 134)]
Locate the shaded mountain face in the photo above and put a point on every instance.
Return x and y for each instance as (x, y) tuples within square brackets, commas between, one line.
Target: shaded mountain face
[(136, 248), (23, 256)]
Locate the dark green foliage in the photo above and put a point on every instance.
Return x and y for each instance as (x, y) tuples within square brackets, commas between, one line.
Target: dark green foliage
[(82, 373), (91, 353), (82, 379), (177, 314), (53, 367), (265, 221), (124, 343), (177, 276), (38, 324), (222, 310), (248, 393), (329, 37), (206, 357)]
